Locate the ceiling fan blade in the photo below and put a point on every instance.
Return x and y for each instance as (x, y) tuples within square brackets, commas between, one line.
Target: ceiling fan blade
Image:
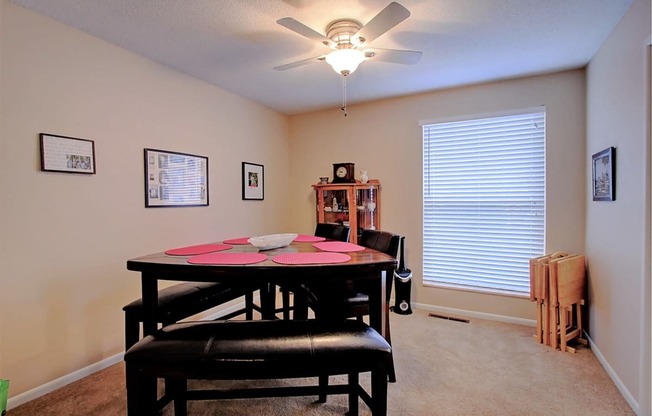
[(393, 55), (389, 17), (300, 63), (303, 30)]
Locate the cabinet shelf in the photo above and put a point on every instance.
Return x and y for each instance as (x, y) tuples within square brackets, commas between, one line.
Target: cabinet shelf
[(358, 205)]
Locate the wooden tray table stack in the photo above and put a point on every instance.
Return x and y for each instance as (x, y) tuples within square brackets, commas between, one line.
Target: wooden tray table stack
[(557, 285)]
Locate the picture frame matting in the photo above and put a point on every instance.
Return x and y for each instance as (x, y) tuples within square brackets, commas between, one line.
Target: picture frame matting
[(603, 181), (67, 154), (174, 179), (253, 181)]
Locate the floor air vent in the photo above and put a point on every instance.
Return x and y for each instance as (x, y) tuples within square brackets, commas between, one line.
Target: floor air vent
[(450, 318)]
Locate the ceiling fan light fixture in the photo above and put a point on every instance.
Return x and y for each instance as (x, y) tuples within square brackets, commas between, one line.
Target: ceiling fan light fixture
[(345, 61)]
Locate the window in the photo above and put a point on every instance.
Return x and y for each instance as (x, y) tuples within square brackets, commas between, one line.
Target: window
[(484, 202)]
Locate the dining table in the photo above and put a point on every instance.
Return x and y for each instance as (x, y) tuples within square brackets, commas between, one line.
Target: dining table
[(302, 263)]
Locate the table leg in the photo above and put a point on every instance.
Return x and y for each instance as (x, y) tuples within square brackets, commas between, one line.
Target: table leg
[(378, 304), (150, 303), (300, 306), (268, 301)]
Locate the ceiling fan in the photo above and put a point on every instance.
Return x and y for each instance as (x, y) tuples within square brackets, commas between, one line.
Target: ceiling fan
[(350, 40)]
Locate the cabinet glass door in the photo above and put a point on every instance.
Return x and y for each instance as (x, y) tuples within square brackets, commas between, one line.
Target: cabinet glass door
[(336, 207), (353, 205), (366, 208)]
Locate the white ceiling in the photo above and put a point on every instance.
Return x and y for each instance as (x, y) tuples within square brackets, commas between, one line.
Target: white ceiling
[(235, 44)]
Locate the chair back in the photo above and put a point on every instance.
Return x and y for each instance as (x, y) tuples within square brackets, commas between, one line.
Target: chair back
[(333, 232), (385, 242)]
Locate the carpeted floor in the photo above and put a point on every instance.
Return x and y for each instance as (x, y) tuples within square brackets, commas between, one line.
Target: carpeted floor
[(443, 367)]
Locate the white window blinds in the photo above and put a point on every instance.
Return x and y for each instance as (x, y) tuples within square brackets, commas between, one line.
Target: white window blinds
[(483, 202)]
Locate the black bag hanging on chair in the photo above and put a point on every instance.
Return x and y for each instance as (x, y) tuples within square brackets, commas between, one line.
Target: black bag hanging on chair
[(403, 282)]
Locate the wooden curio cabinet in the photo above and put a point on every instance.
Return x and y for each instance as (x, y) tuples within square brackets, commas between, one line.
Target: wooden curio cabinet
[(354, 204)]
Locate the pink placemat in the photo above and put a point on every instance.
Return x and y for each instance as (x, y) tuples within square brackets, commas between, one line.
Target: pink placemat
[(228, 258), (237, 241), (198, 249), (338, 246), (302, 238), (311, 258)]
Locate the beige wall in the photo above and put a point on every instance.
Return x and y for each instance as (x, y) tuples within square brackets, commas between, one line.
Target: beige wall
[(617, 233), (385, 139), (65, 238)]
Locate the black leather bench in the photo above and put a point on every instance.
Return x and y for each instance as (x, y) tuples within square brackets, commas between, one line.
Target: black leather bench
[(253, 350), (184, 300)]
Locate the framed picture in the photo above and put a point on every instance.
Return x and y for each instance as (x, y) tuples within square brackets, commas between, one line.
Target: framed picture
[(175, 179), (253, 181), (67, 154), (604, 175)]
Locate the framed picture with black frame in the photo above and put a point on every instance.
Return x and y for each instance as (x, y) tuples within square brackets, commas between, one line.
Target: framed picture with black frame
[(67, 154), (174, 179), (253, 181), (604, 175)]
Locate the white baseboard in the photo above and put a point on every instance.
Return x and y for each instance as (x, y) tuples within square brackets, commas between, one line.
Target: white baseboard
[(225, 311), (614, 377), (473, 314), (49, 387), (107, 362), (529, 322), (62, 381)]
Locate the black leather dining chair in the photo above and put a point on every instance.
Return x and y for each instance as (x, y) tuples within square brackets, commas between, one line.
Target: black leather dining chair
[(337, 232), (355, 303)]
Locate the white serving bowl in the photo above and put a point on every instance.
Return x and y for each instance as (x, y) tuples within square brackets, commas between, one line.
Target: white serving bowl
[(269, 242)]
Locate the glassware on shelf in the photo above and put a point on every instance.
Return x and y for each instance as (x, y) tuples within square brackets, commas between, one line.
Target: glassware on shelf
[(372, 207), (355, 204)]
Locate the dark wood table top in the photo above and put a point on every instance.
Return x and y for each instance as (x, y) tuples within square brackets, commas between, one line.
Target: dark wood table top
[(366, 267), (168, 267)]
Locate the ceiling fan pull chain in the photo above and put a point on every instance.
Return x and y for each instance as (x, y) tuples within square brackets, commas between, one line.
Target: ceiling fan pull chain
[(344, 96)]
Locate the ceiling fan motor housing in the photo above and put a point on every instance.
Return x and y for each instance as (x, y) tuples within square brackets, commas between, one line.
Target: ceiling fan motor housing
[(342, 32)]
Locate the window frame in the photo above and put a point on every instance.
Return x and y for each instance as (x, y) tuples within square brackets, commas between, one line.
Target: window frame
[(520, 289)]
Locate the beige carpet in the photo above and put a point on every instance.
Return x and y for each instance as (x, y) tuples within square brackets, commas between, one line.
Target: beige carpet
[(443, 368)]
